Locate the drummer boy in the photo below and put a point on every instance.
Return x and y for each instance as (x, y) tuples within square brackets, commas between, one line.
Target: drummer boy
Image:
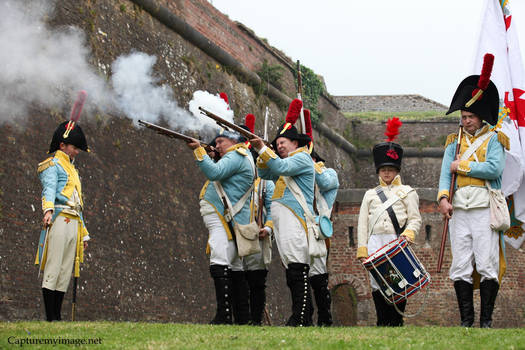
[(381, 223)]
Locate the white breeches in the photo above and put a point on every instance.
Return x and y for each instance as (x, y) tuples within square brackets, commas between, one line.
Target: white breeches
[(222, 250), (473, 244), (375, 242), (318, 266), (254, 262), (61, 249), (289, 236)]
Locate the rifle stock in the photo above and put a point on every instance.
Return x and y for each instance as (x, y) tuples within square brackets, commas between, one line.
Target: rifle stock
[(173, 134), (227, 125), (451, 195)]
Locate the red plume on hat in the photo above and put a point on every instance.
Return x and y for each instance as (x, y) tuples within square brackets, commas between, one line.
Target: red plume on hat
[(308, 124), (294, 111), (225, 98), (249, 121), (392, 128), (484, 79)]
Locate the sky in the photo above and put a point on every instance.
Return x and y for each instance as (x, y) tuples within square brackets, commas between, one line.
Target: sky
[(375, 47)]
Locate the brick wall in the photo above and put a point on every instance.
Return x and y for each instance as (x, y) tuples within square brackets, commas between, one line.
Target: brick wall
[(440, 304)]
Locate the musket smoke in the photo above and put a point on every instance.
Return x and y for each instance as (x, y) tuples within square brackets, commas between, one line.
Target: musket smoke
[(42, 66)]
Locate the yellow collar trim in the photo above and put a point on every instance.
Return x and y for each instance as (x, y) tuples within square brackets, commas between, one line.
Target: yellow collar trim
[(479, 132), (395, 182), (300, 149), (62, 156), (237, 146)]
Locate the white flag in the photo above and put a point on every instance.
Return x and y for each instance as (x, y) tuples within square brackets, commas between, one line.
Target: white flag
[(498, 36)]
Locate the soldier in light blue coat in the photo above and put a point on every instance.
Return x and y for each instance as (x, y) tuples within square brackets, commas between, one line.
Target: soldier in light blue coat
[(289, 220), (235, 171), (63, 245), (327, 183), (481, 159)]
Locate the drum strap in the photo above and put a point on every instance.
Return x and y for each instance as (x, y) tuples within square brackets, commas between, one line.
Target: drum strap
[(390, 211)]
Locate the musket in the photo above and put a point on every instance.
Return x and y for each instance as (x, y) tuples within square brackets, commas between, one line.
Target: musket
[(299, 95), (230, 126), (262, 184), (451, 195), (173, 134)]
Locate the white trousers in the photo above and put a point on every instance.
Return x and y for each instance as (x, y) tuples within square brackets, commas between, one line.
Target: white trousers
[(473, 244), (375, 242), (318, 266), (222, 251), (254, 262), (289, 236), (61, 249)]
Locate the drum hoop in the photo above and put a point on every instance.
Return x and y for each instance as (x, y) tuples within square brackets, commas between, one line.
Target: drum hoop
[(400, 243)]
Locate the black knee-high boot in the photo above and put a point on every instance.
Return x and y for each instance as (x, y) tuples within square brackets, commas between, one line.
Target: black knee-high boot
[(223, 292), (488, 291), (382, 311), (395, 319), (257, 283), (240, 298), (323, 299), (464, 291), (297, 281), (49, 304), (59, 298)]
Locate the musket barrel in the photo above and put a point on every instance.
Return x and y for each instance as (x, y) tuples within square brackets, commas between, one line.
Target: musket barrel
[(173, 134), (228, 125)]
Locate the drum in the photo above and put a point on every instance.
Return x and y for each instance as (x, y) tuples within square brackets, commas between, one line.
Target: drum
[(397, 271)]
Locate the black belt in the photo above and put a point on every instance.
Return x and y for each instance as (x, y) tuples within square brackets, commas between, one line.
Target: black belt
[(390, 212)]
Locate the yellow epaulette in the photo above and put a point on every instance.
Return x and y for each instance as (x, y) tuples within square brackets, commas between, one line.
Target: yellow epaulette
[(319, 167), (450, 138), (242, 150), (45, 164), (504, 140)]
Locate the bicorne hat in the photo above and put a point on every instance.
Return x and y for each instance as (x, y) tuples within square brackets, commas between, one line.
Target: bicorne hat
[(389, 153), (478, 94), (288, 129), (309, 132), (75, 136)]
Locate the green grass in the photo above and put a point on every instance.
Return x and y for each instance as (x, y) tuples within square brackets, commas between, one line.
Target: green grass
[(125, 335), (409, 115)]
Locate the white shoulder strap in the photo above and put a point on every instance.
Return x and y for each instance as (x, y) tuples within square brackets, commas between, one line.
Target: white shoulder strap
[(233, 210), (389, 202), (475, 145), (299, 196), (322, 206)]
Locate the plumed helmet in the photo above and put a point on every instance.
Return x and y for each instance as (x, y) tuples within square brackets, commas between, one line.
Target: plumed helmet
[(288, 129), (478, 94), (389, 153), (75, 137)]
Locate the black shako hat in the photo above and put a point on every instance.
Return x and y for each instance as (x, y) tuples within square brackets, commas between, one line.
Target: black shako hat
[(288, 129), (389, 153), (75, 137), (478, 94)]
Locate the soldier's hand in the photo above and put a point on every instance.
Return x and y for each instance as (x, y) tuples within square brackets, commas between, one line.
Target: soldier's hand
[(46, 221), (257, 143), (194, 144), (454, 165), (362, 260), (263, 232), (85, 245), (445, 208)]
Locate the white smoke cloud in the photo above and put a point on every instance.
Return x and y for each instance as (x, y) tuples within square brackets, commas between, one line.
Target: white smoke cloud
[(43, 66)]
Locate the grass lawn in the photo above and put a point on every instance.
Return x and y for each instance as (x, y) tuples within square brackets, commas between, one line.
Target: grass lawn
[(125, 335)]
